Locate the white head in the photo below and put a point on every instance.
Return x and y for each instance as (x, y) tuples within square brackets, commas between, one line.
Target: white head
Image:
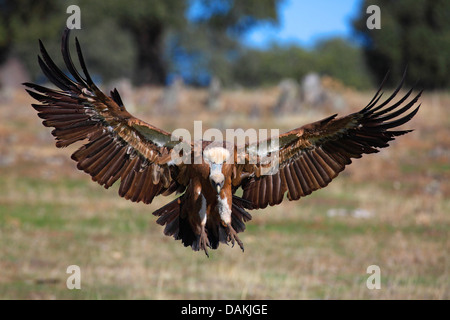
[(215, 157)]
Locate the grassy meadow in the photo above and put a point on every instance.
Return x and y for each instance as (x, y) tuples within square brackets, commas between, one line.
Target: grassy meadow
[(391, 209)]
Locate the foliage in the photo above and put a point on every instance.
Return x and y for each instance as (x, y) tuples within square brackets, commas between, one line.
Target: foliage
[(211, 43), (139, 33), (334, 57), (150, 41), (147, 23), (414, 33), (342, 60), (24, 21)]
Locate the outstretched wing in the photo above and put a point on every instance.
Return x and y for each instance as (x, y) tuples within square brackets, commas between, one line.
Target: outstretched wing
[(310, 157), (119, 145)]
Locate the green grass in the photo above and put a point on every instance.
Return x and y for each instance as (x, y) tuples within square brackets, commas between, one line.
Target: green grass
[(52, 216), (292, 251)]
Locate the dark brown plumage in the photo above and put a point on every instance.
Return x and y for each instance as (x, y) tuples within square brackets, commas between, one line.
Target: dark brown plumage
[(121, 147)]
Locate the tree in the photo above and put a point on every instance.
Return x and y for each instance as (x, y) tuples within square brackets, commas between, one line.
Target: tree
[(414, 33), (212, 28), (342, 60), (26, 21), (210, 45), (335, 57), (269, 67), (142, 35), (23, 23), (147, 22)]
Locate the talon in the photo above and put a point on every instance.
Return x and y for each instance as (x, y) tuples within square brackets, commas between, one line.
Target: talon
[(204, 242), (233, 238)]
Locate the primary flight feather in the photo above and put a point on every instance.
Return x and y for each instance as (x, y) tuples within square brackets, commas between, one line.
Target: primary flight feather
[(122, 147)]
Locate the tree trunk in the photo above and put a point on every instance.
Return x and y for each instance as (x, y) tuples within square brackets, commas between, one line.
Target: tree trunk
[(150, 68)]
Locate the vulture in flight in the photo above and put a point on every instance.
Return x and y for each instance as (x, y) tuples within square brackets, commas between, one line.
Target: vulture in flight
[(118, 146)]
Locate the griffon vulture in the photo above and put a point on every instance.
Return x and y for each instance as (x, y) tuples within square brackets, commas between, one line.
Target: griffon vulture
[(118, 146)]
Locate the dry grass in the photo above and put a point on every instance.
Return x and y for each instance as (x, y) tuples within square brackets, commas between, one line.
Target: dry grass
[(53, 216)]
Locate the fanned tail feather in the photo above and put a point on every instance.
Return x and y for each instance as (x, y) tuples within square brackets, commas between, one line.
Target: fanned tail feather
[(179, 227)]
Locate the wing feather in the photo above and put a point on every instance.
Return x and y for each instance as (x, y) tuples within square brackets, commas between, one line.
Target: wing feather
[(311, 156), (119, 146)]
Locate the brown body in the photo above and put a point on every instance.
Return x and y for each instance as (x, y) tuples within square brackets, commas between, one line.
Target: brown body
[(123, 148), (206, 215)]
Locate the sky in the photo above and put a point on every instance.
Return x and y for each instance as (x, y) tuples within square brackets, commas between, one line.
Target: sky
[(304, 22)]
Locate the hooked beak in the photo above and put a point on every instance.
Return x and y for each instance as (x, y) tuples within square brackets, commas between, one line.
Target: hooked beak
[(217, 183), (217, 179)]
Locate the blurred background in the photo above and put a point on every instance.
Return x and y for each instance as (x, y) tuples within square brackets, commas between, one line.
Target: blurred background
[(249, 43), (233, 64)]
